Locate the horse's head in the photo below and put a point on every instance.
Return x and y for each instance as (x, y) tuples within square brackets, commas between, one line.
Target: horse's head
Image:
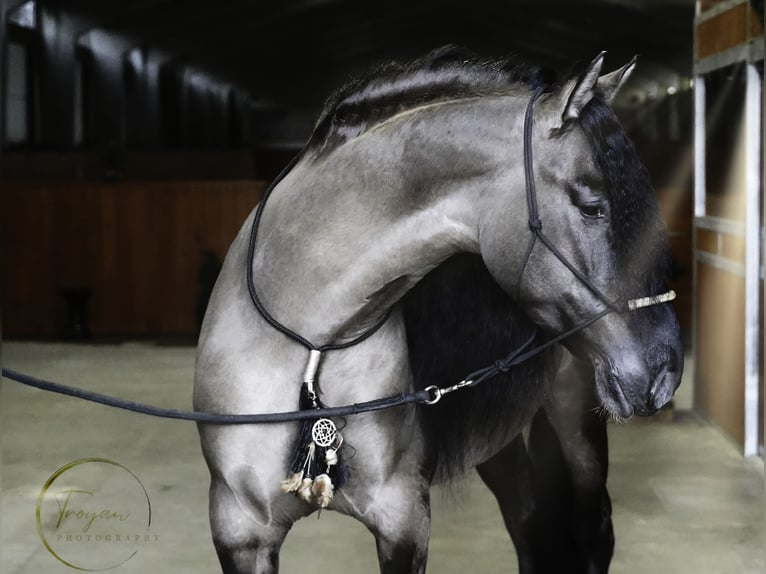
[(597, 209)]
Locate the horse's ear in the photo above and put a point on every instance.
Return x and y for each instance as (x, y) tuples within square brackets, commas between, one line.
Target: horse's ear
[(576, 94), (609, 84)]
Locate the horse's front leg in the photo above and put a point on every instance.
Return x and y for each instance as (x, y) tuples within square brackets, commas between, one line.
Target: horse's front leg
[(389, 489), (245, 544), (508, 475), (400, 520), (582, 434), (249, 515)]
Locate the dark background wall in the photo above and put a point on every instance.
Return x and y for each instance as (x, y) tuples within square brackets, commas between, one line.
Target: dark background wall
[(141, 113), (93, 89)]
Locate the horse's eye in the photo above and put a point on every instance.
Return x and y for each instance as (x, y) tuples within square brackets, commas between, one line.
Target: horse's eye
[(592, 211)]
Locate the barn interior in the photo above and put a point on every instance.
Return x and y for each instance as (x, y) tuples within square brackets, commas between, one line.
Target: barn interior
[(136, 138)]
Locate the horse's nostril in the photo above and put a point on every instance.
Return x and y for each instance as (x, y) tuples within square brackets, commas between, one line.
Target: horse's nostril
[(661, 358), (662, 389), (672, 365)]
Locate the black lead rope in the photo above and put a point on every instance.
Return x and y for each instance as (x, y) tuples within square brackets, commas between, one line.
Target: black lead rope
[(214, 418), (429, 396)]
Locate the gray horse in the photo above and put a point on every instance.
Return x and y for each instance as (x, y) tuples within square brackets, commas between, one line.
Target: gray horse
[(406, 168)]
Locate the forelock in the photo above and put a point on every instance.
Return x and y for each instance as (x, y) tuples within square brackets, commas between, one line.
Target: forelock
[(637, 227)]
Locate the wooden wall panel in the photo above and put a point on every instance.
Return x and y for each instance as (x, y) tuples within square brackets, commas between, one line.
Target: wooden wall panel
[(720, 361), (723, 31), (726, 30), (726, 245), (707, 240), (676, 207), (733, 248), (138, 246)]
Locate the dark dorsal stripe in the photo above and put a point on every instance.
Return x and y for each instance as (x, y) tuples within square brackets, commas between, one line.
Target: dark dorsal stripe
[(445, 74)]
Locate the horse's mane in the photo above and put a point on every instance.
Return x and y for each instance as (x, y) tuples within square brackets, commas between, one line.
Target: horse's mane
[(459, 320), (637, 231), (448, 73)]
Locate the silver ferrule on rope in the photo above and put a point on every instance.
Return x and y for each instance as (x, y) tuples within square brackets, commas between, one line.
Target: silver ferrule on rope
[(439, 392), (641, 302), (311, 370)]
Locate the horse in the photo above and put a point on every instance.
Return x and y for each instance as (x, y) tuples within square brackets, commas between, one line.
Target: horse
[(407, 167)]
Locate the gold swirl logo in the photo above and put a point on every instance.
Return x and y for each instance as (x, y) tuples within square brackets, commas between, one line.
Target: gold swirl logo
[(94, 514)]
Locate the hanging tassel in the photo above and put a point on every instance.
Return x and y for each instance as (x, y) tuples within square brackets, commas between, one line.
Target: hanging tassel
[(316, 469), (292, 482), (322, 490), (302, 465), (305, 491)]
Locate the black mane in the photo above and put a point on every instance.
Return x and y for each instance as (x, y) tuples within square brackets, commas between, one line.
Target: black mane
[(448, 73), (459, 320), (637, 227)]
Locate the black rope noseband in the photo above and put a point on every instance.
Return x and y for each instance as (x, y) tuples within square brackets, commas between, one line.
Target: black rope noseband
[(430, 395)]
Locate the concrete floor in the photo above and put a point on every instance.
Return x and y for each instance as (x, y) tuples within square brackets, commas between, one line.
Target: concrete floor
[(685, 501)]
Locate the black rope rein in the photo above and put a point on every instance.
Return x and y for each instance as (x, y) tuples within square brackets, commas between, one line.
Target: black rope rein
[(428, 396), (215, 418)]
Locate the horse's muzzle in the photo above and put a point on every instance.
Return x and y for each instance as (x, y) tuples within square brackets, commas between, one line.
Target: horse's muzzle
[(642, 391)]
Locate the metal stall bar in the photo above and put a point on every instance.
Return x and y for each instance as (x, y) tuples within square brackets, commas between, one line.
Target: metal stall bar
[(752, 258), (699, 145)]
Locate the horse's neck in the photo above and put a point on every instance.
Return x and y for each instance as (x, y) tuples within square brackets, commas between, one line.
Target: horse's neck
[(343, 238)]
